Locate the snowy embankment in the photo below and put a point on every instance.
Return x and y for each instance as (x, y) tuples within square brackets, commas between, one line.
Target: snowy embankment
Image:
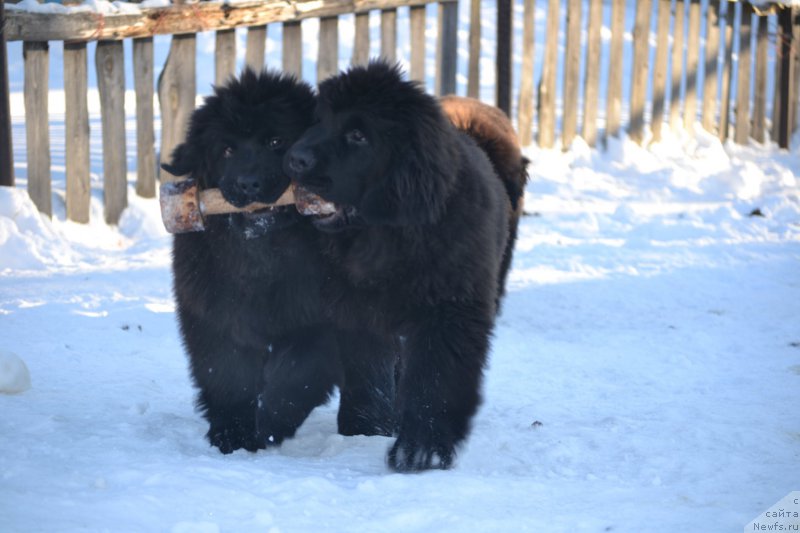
[(644, 372)]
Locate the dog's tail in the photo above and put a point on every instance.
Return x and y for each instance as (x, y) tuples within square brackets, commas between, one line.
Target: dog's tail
[(493, 132)]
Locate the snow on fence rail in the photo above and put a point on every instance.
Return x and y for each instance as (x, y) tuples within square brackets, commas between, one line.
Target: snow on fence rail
[(728, 25)]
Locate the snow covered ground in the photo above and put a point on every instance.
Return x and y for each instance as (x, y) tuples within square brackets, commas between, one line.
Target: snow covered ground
[(643, 377)]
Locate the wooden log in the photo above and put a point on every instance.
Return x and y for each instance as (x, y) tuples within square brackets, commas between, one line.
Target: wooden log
[(37, 65), (256, 47), (675, 119), (711, 79), (503, 56), (725, 98), (417, 23), (361, 45), (692, 55), (6, 149), (177, 87), (76, 128), (224, 56), (614, 91), (660, 68), (447, 48), (473, 68), (641, 53), (525, 106), (328, 56), (145, 132), (547, 85), (760, 86), (572, 72), (182, 19), (742, 131), (389, 34), (110, 65), (292, 53), (592, 72)]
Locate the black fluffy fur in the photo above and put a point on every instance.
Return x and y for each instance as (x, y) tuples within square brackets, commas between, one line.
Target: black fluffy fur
[(248, 287), (418, 240)]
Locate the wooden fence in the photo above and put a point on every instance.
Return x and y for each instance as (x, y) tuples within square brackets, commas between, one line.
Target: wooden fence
[(676, 25)]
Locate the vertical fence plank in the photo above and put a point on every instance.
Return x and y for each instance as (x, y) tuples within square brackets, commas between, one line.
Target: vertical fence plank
[(592, 76), (660, 69), (784, 63), (110, 65), (742, 131), (417, 23), (328, 57), (760, 87), (6, 150), (145, 133), (37, 124), (547, 85), (176, 93), (292, 44), (641, 53), (361, 44), (675, 120), (692, 55), (473, 69), (725, 98), (525, 107), (76, 127), (710, 82), (572, 68), (446, 48), (795, 85), (256, 47), (614, 91), (389, 34), (224, 56), (503, 58)]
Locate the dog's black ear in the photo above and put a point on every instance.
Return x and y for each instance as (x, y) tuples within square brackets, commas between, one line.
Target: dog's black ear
[(415, 188), (182, 162)]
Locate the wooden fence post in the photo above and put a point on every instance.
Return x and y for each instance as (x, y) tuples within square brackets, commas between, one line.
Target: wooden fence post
[(328, 56), (572, 70), (503, 57), (224, 56), (795, 60), (675, 120), (660, 69), (6, 151), (37, 124), (547, 85), (592, 77), (614, 92), (145, 131), (525, 106), (447, 48), (473, 69), (785, 38), (760, 88), (177, 87), (641, 53), (417, 23), (76, 127), (110, 68), (725, 98), (692, 55), (711, 80), (256, 46), (389, 34), (292, 53), (742, 132)]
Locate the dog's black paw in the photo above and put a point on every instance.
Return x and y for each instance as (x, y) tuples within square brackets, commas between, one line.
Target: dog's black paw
[(232, 438), (417, 451)]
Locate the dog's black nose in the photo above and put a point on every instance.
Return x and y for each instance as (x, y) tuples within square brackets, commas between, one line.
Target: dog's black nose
[(249, 184), (300, 161)]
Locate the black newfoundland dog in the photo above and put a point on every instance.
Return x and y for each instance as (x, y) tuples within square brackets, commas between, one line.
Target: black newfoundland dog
[(417, 224), (248, 287)]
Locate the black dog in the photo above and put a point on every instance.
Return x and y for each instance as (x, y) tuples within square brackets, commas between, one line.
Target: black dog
[(418, 231), (247, 288)]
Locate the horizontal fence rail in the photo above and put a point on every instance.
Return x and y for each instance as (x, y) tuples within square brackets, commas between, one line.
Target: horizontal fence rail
[(678, 50)]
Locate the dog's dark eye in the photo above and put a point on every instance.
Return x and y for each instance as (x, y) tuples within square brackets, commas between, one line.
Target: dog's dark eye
[(228, 152), (275, 143), (355, 137)]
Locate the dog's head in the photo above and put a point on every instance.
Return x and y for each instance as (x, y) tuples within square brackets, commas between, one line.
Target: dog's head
[(237, 140), (381, 151)]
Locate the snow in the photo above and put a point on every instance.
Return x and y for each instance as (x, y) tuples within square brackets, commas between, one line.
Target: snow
[(14, 375), (643, 375)]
